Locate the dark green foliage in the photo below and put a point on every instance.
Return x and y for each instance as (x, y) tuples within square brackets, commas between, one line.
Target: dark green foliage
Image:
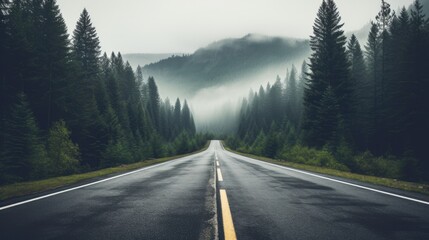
[(93, 111), (330, 118), (329, 69), (292, 97), (357, 107), (86, 46), (62, 152), (22, 148), (361, 94), (227, 59), (311, 156), (154, 102), (272, 142)]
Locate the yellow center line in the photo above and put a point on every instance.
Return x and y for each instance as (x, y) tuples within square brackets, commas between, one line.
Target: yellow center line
[(219, 175), (228, 225)]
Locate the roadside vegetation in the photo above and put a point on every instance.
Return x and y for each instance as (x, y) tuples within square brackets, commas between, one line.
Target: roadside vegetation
[(353, 109), (31, 187), (67, 109), (317, 165)]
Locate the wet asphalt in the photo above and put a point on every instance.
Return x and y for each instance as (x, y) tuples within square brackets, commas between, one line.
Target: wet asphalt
[(171, 201), (176, 200), (270, 202)]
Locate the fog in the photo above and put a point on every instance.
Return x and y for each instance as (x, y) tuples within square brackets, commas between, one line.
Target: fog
[(216, 108), (164, 26)]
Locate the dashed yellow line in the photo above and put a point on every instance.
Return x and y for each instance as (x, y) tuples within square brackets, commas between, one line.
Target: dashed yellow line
[(219, 175), (228, 225)]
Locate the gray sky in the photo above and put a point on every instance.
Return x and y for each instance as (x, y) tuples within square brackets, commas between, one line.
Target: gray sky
[(168, 26)]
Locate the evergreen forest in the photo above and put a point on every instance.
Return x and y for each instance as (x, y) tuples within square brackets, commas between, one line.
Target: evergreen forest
[(359, 107), (67, 108)]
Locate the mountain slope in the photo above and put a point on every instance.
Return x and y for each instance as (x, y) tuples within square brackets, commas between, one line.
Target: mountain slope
[(142, 59), (228, 60)]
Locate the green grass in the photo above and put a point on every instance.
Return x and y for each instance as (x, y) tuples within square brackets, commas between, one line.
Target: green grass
[(25, 188), (387, 182)]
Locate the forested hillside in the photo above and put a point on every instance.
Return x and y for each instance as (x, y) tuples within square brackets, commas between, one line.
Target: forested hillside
[(66, 109), (228, 60), (360, 108)]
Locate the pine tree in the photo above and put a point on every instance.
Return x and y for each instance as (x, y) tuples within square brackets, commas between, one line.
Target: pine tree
[(186, 118), (330, 118), (23, 151), (87, 122), (418, 84), (4, 61), (86, 46), (54, 58), (272, 144), (329, 67), (302, 83), (275, 102), (22, 59), (139, 78), (360, 95), (399, 83), (62, 152), (153, 103), (373, 59), (177, 116), (292, 112), (384, 20)]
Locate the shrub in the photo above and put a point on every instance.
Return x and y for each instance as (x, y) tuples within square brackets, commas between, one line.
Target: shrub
[(389, 167), (63, 153), (116, 153), (311, 156)]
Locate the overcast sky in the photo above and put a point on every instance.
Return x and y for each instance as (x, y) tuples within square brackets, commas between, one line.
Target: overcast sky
[(182, 26)]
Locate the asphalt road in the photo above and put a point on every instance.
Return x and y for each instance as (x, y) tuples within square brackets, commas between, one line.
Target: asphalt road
[(272, 202), (176, 200)]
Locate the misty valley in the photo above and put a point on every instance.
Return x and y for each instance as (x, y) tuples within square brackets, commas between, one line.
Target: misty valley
[(339, 101), (351, 104)]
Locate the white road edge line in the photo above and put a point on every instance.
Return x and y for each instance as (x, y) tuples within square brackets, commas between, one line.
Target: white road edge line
[(219, 175), (82, 186), (343, 182)]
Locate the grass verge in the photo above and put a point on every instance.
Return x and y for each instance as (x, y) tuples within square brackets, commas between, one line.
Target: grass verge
[(25, 188), (387, 182)]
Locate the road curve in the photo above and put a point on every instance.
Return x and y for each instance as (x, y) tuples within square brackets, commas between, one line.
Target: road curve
[(272, 202), (174, 200)]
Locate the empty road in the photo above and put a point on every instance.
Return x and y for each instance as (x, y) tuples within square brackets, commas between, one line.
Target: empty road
[(253, 200), (173, 200)]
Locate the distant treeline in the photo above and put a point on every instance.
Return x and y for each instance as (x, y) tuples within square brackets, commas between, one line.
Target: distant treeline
[(349, 108), (66, 109)]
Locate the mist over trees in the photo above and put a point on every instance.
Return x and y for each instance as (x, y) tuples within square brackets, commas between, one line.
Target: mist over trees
[(355, 107), (65, 108)]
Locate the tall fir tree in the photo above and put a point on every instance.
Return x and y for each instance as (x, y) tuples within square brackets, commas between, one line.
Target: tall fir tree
[(373, 59), (154, 103), (383, 19), (4, 61), (55, 58), (360, 95), (329, 68), (291, 92), (23, 150), (186, 117), (88, 125), (86, 46)]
